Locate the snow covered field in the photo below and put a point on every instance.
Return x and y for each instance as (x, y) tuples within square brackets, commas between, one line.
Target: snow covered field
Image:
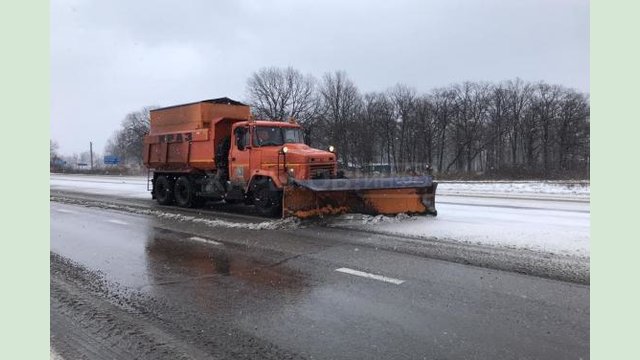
[(122, 186), (577, 190), (551, 217)]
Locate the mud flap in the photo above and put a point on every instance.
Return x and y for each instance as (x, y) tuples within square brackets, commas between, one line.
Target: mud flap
[(388, 196)]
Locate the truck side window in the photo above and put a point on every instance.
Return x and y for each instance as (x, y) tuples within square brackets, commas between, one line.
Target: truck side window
[(240, 138), (247, 137)]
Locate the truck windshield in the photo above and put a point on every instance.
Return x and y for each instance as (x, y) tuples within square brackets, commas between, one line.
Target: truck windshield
[(276, 136)]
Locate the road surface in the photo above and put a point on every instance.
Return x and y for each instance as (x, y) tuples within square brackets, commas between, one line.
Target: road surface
[(130, 284)]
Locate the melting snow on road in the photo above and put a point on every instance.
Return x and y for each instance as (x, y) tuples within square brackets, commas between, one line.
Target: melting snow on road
[(548, 230)]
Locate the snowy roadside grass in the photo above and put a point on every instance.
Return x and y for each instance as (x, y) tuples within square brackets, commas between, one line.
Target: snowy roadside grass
[(102, 185), (564, 188)]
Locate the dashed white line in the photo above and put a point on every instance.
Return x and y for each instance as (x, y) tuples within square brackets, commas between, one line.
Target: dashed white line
[(370, 276), (66, 211), (207, 241), (119, 222)]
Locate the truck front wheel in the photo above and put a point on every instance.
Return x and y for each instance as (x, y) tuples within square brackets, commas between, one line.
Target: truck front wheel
[(184, 193), (163, 189), (267, 198)]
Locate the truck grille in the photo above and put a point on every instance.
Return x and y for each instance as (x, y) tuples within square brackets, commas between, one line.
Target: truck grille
[(321, 171)]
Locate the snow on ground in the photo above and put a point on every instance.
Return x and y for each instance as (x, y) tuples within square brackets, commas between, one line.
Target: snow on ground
[(547, 216), (548, 189), (283, 224), (549, 230), (122, 186)]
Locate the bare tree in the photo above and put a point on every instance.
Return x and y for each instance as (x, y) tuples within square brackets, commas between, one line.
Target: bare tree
[(494, 154), (425, 131), (546, 110), (117, 145), (444, 111), (128, 142), (404, 99), (375, 115), (519, 97), (469, 135), (53, 150), (277, 94), (341, 103), (379, 110), (573, 110)]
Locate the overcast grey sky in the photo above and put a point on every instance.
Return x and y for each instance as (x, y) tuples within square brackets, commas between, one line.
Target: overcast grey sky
[(112, 57)]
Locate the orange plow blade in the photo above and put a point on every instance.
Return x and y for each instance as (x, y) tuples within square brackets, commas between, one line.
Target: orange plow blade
[(387, 196)]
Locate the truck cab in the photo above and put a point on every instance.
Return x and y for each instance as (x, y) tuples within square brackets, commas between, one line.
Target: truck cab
[(265, 155)]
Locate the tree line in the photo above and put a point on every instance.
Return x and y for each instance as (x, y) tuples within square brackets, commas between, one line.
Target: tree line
[(511, 129)]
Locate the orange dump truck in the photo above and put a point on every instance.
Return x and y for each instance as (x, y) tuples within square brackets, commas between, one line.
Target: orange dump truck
[(214, 150)]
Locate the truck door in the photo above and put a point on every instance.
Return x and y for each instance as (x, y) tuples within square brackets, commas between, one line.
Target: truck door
[(240, 156)]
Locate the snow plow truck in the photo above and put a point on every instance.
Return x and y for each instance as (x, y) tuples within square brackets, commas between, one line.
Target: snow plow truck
[(214, 150)]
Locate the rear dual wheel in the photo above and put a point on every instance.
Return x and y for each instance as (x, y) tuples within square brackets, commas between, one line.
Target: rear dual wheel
[(185, 193), (163, 189)]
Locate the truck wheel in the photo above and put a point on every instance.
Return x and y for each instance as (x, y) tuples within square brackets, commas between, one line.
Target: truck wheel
[(266, 198), (163, 190), (232, 201), (184, 193)]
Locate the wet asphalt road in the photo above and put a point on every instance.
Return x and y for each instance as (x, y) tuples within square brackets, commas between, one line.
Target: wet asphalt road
[(142, 287)]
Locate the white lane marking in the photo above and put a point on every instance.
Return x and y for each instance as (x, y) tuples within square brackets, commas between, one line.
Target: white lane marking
[(370, 276), (119, 222), (65, 211), (207, 241)]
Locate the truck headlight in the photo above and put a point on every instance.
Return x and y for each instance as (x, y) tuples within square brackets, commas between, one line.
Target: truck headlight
[(331, 148), (285, 149)]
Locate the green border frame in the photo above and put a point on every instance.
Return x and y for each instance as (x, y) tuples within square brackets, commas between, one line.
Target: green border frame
[(24, 92), (24, 263), (615, 245)]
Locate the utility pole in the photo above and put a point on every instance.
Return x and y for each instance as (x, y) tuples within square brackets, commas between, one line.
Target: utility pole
[(91, 153)]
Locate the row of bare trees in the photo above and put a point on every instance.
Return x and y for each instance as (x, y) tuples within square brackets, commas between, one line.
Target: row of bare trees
[(510, 129)]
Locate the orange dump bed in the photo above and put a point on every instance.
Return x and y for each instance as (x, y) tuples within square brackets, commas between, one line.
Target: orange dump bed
[(186, 136)]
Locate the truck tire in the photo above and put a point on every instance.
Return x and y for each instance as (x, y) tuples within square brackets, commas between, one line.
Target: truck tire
[(232, 201), (267, 198), (184, 193), (163, 189)]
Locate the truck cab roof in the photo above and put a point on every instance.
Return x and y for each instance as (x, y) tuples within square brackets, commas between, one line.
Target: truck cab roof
[(270, 123)]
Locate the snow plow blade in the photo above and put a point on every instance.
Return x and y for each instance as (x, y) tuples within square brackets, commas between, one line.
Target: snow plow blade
[(372, 196)]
